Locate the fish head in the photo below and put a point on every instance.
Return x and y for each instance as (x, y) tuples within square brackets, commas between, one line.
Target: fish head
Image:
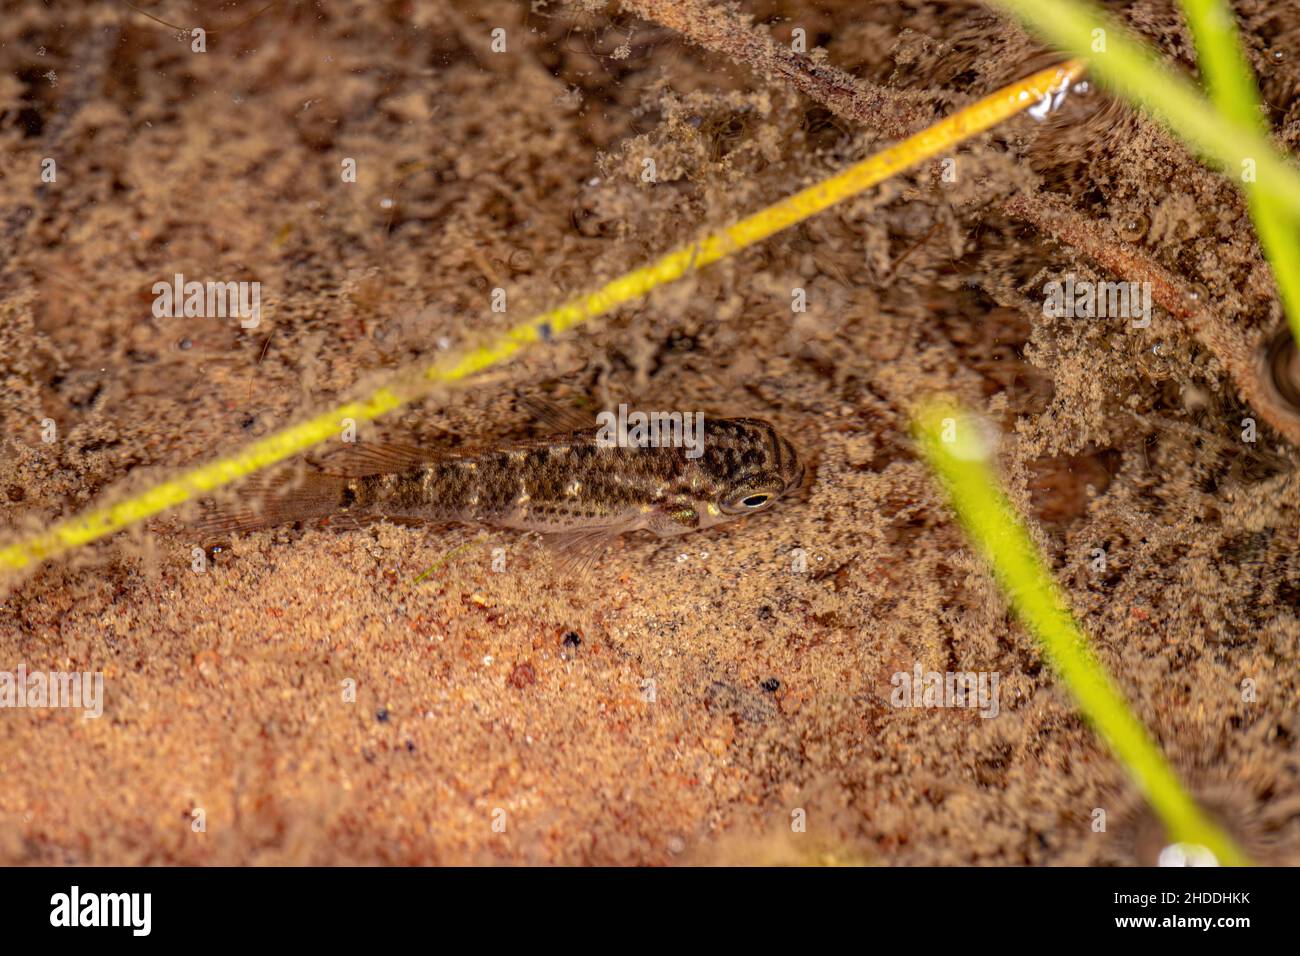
[(745, 466)]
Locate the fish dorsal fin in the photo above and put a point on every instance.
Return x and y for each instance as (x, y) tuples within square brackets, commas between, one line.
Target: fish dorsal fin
[(375, 458), (546, 416)]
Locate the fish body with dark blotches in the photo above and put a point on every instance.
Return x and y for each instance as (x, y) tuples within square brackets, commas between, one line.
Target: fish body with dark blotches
[(570, 483)]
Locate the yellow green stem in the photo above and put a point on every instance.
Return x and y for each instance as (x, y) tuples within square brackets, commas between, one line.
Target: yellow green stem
[(943, 135)]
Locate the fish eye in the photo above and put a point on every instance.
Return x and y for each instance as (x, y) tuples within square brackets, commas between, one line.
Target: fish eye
[(744, 500)]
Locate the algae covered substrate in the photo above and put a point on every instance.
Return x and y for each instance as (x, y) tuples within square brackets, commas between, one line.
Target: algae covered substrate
[(404, 182)]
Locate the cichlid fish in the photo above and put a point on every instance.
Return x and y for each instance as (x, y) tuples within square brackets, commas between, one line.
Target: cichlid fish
[(569, 484)]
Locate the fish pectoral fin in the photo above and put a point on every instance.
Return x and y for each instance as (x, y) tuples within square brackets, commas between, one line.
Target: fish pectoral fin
[(576, 552), (375, 458)]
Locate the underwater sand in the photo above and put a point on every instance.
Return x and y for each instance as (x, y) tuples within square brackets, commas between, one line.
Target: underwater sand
[(687, 701)]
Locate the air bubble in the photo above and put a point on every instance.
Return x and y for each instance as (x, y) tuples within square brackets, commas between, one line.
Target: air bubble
[(1134, 228), (1186, 854), (1280, 360)]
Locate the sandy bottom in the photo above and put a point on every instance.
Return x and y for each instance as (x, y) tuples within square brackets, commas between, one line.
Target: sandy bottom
[(719, 698)]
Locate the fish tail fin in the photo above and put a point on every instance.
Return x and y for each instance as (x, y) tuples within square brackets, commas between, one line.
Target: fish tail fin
[(278, 500)]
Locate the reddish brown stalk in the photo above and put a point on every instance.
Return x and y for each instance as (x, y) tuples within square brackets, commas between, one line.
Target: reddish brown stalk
[(723, 29), (1055, 218)]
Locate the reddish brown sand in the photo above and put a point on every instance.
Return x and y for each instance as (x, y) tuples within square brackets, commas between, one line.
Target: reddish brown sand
[(225, 691)]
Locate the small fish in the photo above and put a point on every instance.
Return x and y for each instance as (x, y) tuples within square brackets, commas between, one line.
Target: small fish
[(567, 485)]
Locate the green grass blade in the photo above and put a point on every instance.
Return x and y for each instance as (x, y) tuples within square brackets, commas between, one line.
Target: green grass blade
[(952, 442), (1223, 66), (1232, 89)]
